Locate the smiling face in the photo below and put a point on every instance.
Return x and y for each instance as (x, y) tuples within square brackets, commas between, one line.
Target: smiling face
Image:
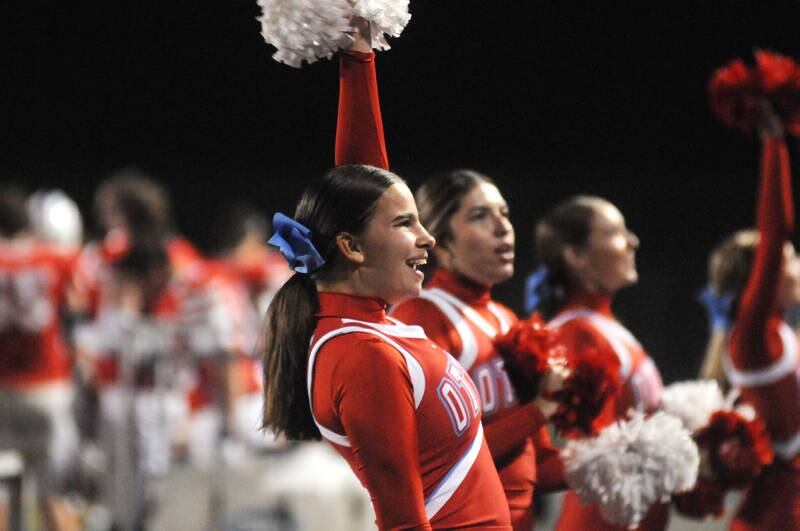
[(607, 261), (390, 251), (480, 245)]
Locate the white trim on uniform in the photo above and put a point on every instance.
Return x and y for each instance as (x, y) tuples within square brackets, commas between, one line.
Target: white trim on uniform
[(505, 324), (467, 311), (414, 368), (788, 448), (614, 333), (454, 477), (469, 344), (780, 368)]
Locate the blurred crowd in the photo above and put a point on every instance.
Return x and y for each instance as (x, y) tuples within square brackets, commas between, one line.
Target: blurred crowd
[(128, 351)]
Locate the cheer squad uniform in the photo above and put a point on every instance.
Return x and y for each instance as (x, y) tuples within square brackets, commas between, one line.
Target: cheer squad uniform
[(763, 361), (461, 317), (586, 324), (406, 417)]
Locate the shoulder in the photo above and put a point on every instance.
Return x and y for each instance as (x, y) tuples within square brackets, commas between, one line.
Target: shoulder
[(416, 310)]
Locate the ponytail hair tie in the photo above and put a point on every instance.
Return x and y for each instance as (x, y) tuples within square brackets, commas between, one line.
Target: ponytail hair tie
[(718, 308), (293, 239), (537, 288)]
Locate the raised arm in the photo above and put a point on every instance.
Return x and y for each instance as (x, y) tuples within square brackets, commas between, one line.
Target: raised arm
[(359, 127), (775, 220)]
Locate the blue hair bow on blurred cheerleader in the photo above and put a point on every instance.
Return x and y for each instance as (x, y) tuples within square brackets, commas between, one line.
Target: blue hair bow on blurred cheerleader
[(537, 288), (718, 308), (293, 239)]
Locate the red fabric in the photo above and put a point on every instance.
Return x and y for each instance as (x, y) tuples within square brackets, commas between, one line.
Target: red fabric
[(641, 389), (34, 277), (359, 128), (400, 458), (773, 501), (509, 427)]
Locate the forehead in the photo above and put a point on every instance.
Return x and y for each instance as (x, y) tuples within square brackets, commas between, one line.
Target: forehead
[(607, 214), (396, 200), (483, 193)]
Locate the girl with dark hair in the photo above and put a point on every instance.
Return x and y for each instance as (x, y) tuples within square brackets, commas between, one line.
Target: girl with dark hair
[(399, 409), (754, 278), (469, 217), (587, 255)]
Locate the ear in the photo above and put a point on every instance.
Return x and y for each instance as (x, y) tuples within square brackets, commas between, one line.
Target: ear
[(349, 247), (574, 257)]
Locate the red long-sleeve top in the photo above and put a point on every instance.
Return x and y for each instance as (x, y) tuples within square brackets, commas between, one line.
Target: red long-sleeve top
[(763, 351), (405, 416), (461, 317)]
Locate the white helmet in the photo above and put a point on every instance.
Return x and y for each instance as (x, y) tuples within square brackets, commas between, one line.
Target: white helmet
[(55, 217)]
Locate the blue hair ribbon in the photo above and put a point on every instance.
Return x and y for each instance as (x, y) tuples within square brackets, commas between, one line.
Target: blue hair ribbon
[(293, 239), (537, 287), (718, 308)]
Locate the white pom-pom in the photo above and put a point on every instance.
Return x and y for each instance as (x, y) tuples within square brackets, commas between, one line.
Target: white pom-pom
[(693, 402), (388, 18), (631, 465), (307, 30)]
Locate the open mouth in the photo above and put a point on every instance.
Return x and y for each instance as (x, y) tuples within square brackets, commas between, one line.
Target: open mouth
[(505, 252), (416, 263)]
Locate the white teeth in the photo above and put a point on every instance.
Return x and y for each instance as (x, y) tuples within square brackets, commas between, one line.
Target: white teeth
[(417, 262)]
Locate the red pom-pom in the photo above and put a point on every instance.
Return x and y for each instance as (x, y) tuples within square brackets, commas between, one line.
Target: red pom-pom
[(780, 80), (593, 382), (704, 500), (737, 448), (735, 90), (526, 349)]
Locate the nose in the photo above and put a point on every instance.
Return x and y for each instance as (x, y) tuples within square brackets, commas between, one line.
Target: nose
[(424, 238), (633, 240), (502, 225)]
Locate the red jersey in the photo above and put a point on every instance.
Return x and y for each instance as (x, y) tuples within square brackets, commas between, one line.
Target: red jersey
[(763, 354), (460, 316), (405, 416), (33, 280), (587, 323)]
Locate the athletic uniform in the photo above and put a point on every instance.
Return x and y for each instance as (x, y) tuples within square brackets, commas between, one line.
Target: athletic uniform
[(763, 360), (36, 391), (587, 323), (460, 317), (406, 417)]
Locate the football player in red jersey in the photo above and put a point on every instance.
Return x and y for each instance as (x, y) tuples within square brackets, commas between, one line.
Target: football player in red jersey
[(588, 255), (756, 277), (36, 389), (399, 409)]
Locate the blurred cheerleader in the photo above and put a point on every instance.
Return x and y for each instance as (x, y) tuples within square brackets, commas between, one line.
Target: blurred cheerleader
[(470, 219), (754, 277), (588, 254)]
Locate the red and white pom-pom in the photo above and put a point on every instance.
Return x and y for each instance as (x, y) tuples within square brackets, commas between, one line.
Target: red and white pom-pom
[(388, 18), (736, 88), (693, 402), (632, 465), (307, 30)]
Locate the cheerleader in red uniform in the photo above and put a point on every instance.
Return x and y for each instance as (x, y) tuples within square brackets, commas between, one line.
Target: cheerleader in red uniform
[(402, 412), (469, 217), (756, 273), (588, 254)]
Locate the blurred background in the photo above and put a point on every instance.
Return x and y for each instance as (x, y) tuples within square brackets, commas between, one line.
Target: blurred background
[(548, 99)]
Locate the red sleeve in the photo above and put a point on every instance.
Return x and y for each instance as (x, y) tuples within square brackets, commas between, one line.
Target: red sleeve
[(775, 220), (509, 432), (549, 466), (371, 379), (359, 128)]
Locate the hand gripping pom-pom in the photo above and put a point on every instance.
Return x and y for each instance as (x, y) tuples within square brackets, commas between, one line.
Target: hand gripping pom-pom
[(307, 30), (632, 465)]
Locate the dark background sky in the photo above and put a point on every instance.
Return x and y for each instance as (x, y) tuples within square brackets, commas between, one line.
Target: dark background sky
[(550, 98)]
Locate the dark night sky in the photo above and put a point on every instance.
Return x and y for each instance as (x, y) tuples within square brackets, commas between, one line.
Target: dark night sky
[(550, 98)]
